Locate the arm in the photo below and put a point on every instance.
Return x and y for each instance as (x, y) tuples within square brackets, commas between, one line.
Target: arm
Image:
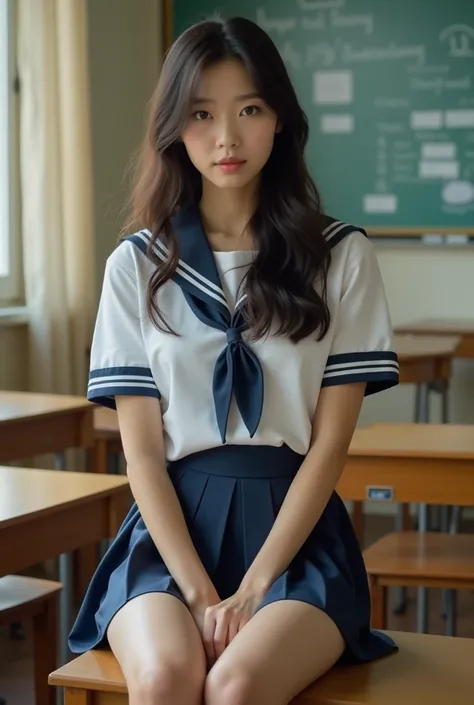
[(141, 431), (333, 426)]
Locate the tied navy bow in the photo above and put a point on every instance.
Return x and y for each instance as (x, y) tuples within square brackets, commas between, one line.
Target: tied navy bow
[(237, 370)]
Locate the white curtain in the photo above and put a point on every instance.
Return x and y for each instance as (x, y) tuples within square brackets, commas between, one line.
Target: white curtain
[(56, 191)]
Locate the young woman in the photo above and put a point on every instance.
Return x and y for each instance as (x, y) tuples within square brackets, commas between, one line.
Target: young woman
[(237, 334)]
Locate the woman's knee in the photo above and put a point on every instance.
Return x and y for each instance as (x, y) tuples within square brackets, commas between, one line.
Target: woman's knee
[(232, 684), (166, 684)]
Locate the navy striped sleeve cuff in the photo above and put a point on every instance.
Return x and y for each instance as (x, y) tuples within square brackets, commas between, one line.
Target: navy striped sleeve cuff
[(379, 369), (106, 383)]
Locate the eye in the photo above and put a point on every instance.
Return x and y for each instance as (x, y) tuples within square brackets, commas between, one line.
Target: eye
[(201, 115), (251, 110)]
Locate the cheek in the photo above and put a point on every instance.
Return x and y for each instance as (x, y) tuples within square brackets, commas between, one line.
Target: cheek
[(194, 138), (263, 134)]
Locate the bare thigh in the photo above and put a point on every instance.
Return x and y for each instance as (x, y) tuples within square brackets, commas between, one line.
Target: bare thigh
[(284, 648), (159, 649)]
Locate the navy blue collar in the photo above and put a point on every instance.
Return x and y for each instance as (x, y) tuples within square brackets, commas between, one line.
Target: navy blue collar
[(237, 370)]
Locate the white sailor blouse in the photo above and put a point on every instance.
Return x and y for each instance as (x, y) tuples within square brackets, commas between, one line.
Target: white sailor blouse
[(215, 385)]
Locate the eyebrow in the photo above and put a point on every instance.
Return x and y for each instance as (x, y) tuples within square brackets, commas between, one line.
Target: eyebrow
[(245, 96)]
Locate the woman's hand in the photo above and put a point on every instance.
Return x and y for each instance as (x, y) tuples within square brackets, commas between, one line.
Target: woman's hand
[(224, 620), (198, 606)]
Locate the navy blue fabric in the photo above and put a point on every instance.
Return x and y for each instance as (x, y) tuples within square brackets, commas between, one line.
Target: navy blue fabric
[(230, 497), (238, 370)]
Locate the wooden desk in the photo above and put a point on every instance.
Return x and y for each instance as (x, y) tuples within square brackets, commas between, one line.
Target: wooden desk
[(464, 328), (44, 514), (35, 424), (426, 670), (425, 358), (107, 443), (423, 463), (426, 361)]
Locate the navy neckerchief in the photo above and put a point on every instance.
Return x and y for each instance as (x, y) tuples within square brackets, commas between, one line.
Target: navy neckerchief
[(237, 370)]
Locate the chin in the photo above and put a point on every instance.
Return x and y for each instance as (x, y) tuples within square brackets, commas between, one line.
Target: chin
[(231, 180)]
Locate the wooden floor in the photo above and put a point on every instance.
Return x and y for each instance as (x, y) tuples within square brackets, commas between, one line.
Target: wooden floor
[(16, 684)]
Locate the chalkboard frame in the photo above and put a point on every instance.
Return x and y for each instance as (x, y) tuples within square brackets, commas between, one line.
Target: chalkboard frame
[(408, 233)]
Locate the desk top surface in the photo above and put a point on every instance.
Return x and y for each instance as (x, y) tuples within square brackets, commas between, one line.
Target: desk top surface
[(439, 326), (105, 420), (420, 346), (415, 440), (427, 670), (18, 406), (25, 493)]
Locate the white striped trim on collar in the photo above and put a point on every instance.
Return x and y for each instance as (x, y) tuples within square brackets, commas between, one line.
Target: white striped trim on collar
[(187, 272), (334, 228)]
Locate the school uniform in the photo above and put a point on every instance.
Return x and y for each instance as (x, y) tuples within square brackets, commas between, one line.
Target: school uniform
[(237, 417)]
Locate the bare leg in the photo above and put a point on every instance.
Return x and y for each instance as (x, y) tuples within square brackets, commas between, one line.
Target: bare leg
[(159, 648), (283, 649)]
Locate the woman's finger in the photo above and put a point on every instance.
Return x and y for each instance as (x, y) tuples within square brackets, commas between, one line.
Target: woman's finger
[(233, 629), (220, 633), (208, 630)]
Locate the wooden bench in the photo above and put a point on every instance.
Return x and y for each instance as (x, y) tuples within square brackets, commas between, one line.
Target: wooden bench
[(30, 598), (427, 670), (408, 558)]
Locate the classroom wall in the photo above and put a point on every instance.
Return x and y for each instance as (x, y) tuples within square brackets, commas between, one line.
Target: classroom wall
[(124, 58), (13, 357)]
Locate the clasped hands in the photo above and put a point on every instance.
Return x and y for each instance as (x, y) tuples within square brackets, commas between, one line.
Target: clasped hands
[(220, 621)]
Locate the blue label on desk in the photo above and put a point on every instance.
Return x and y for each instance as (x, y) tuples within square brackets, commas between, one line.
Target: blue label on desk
[(380, 494)]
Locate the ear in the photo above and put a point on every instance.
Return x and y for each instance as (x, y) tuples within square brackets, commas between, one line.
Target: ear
[(279, 127)]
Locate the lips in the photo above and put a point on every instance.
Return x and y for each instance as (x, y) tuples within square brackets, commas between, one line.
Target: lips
[(230, 160)]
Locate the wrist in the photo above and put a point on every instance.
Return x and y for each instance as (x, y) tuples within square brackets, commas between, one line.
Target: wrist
[(200, 595), (255, 584)]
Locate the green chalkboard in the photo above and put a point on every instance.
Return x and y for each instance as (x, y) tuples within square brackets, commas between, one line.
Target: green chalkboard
[(388, 87)]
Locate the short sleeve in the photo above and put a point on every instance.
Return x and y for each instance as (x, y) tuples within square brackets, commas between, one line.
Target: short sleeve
[(362, 343), (119, 363)]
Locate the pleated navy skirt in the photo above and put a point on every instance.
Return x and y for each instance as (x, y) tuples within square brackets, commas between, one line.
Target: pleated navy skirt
[(230, 497)]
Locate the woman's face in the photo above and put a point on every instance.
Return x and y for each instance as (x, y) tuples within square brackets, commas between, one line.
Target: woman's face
[(230, 131)]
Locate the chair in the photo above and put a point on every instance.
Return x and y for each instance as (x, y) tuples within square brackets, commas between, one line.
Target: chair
[(23, 598)]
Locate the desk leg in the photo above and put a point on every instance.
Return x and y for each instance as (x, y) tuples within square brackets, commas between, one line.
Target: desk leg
[(422, 412), (66, 578), (449, 522), (422, 601)]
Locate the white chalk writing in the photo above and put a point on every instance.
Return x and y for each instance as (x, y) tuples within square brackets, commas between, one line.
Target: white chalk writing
[(321, 4), (280, 25), (322, 54), (379, 53), (391, 102), (440, 84), (339, 20), (290, 55), (314, 23)]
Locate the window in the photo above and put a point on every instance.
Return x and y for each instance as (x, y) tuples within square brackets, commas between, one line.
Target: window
[(9, 172)]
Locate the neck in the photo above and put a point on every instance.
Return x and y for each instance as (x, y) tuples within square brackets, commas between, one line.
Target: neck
[(227, 211)]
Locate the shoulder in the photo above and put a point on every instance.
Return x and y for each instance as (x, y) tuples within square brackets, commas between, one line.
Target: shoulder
[(130, 258), (348, 242)]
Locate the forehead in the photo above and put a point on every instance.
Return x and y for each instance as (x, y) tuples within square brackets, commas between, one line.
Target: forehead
[(223, 80)]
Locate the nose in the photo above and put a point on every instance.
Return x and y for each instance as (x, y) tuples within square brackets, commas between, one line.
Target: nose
[(227, 134)]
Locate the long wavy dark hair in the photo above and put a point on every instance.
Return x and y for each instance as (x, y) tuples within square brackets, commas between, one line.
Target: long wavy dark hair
[(288, 222)]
